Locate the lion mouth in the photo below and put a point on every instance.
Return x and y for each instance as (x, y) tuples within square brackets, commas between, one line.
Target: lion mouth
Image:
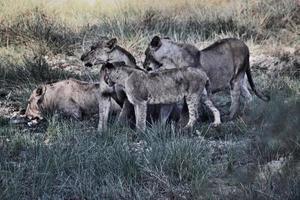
[(107, 80), (23, 119), (148, 69)]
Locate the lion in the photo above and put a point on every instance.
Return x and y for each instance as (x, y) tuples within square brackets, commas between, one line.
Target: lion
[(70, 97), (108, 50), (226, 62), (163, 87)]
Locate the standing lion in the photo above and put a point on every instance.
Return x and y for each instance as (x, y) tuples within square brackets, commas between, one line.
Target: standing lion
[(163, 87)]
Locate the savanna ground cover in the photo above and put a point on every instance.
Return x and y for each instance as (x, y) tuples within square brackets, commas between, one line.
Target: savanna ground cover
[(254, 157)]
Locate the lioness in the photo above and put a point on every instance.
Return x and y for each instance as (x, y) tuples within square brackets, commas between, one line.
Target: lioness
[(71, 97), (225, 62), (165, 86), (108, 50)]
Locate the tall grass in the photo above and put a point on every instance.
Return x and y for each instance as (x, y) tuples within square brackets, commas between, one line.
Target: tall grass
[(63, 24), (86, 11), (20, 75), (67, 159), (75, 165)]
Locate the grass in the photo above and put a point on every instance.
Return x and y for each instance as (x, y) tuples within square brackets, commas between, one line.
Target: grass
[(67, 159), (200, 21), (93, 166), (23, 77)]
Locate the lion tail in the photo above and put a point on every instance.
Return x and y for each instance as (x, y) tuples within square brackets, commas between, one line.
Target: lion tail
[(250, 80)]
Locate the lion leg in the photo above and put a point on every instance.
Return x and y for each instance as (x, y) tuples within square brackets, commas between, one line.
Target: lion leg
[(244, 90), (140, 110), (73, 110), (126, 110), (183, 113), (104, 105), (165, 112), (235, 93), (212, 108), (192, 103), (215, 111)]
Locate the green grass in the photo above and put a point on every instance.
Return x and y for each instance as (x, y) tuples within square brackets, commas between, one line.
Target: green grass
[(66, 159), (93, 166)]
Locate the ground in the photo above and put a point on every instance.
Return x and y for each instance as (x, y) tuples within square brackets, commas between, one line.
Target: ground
[(256, 156)]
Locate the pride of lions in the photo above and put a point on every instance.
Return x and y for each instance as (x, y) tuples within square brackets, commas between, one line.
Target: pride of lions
[(173, 75)]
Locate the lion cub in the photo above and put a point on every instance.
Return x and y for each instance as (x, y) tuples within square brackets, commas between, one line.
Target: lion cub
[(161, 87)]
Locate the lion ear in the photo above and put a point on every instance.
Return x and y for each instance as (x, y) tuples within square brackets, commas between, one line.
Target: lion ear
[(39, 91), (155, 42), (112, 43)]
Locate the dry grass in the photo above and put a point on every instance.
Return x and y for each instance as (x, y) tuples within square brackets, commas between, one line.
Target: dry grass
[(62, 24), (80, 12), (77, 13)]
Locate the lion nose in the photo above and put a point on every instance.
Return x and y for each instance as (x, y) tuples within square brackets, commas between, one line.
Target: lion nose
[(145, 65), (88, 64)]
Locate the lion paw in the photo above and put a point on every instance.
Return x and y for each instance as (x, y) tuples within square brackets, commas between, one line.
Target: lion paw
[(216, 124)]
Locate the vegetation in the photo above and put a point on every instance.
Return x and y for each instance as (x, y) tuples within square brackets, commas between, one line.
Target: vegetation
[(256, 156)]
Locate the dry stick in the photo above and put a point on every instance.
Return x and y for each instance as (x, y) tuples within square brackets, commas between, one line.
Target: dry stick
[(7, 37), (83, 41), (86, 72)]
